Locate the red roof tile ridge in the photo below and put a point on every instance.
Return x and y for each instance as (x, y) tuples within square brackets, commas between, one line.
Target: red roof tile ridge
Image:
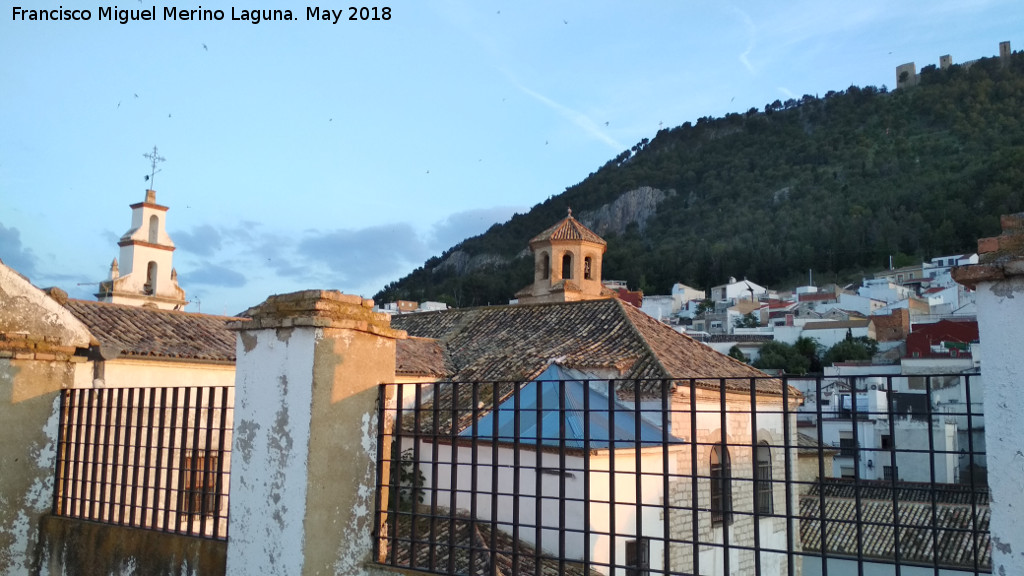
[(568, 228)]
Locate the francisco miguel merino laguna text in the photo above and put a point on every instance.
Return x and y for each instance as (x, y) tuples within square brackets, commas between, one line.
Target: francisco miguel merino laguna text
[(124, 15)]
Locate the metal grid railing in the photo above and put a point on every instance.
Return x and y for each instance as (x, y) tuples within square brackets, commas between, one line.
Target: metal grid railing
[(155, 458), (698, 476)]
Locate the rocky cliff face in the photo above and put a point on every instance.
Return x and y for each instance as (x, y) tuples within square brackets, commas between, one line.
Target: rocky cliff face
[(635, 206)]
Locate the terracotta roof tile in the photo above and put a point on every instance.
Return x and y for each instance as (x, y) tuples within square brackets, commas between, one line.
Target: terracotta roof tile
[(945, 539), (515, 344), (494, 552), (568, 229), (149, 332), (837, 324), (421, 357)]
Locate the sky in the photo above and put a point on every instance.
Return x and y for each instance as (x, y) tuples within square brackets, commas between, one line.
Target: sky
[(310, 154)]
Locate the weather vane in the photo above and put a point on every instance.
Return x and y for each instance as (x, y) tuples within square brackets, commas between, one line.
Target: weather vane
[(154, 158)]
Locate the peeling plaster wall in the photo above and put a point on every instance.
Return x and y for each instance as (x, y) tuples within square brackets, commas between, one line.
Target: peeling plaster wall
[(341, 499), (1001, 323), (269, 458), (79, 548), (27, 455), (38, 338)]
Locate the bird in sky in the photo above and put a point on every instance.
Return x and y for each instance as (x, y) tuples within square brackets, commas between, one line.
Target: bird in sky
[(136, 94), (205, 48)]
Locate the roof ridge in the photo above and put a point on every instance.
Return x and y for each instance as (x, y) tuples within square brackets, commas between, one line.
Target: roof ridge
[(149, 309)]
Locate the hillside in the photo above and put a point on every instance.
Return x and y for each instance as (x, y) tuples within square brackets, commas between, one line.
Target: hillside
[(836, 184)]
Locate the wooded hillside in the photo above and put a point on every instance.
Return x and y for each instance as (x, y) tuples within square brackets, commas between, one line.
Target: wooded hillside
[(836, 184)]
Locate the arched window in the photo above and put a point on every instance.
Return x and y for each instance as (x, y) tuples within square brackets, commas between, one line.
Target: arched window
[(150, 287), (587, 268), (721, 486), (154, 229), (545, 262), (763, 481), (567, 266)]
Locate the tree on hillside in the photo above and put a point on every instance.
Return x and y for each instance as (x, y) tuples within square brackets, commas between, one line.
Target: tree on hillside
[(776, 355), (860, 348), (736, 353)]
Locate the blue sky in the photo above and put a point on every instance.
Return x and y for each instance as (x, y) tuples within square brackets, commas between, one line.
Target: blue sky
[(315, 155)]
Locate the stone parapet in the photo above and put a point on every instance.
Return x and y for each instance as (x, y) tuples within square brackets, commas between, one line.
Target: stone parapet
[(320, 309), (999, 257)]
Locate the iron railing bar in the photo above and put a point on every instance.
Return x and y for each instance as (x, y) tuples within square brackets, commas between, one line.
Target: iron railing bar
[(666, 508), (613, 535), (190, 456), (856, 475), (473, 476), (637, 467), (495, 455), (970, 468), (390, 520), (149, 492), (92, 447), (168, 470), (60, 468), (756, 475), (207, 473), (123, 427), (454, 480), (587, 531), (224, 451), (931, 469), (139, 408), (561, 477), (434, 473), (894, 476), (516, 464), (822, 524), (398, 434), (538, 488), (725, 478), (77, 466), (694, 479)]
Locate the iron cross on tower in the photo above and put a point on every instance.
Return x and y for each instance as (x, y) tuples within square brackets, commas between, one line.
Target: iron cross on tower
[(154, 159)]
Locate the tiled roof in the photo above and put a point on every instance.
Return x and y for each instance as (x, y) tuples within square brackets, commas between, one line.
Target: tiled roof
[(421, 357), (818, 297), (517, 343), (738, 338), (148, 332), (807, 444), (946, 540), (509, 344), (924, 336), (891, 327), (568, 229), (495, 553), (837, 325)]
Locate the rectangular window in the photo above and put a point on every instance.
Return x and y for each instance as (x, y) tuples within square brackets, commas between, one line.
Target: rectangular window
[(847, 447), (764, 487), (886, 442), (888, 472), (198, 483), (638, 557)]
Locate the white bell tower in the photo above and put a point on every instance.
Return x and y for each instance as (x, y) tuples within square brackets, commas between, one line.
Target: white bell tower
[(145, 275)]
